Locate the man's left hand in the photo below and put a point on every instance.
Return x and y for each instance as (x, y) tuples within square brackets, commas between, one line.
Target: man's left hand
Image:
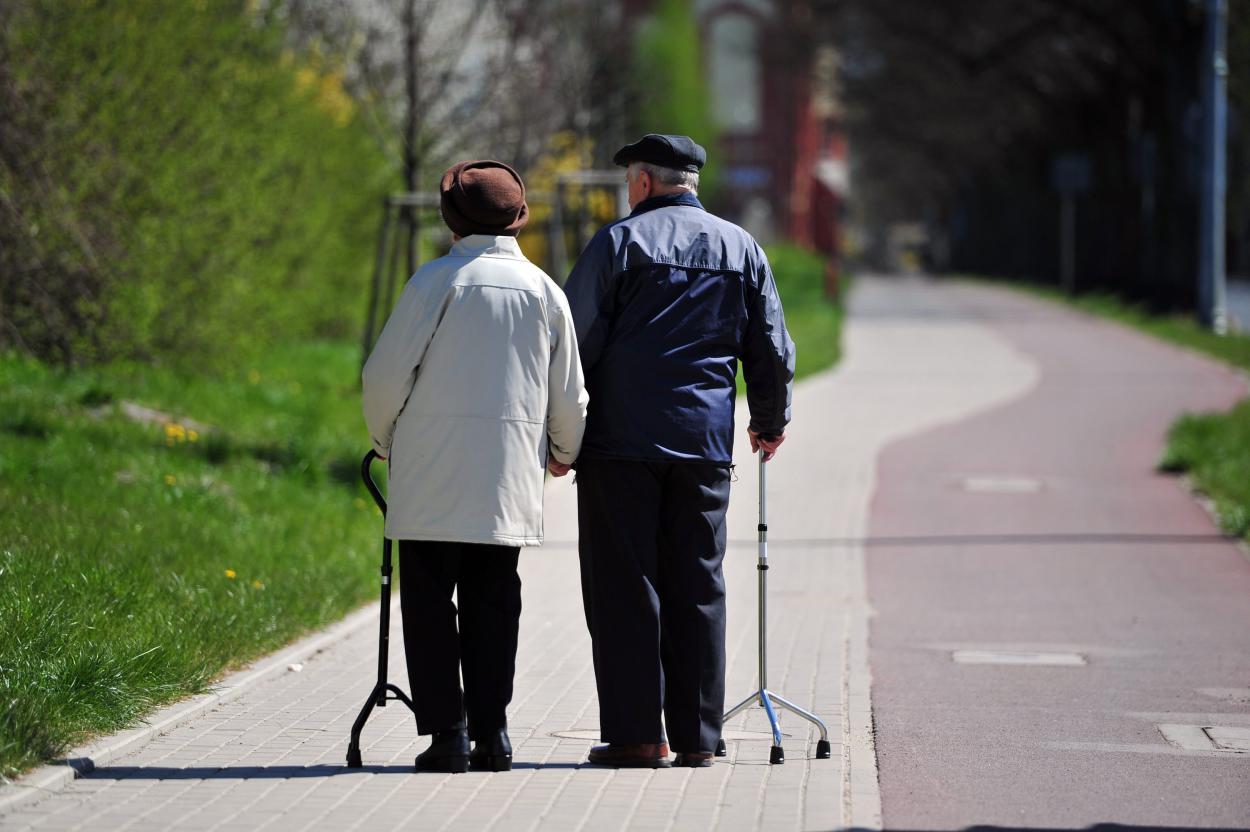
[(769, 445), (557, 468)]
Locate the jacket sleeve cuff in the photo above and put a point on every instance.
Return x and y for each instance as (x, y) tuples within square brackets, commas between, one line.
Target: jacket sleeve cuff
[(382, 450)]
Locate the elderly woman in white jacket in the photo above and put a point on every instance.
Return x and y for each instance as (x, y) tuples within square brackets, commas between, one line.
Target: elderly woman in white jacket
[(473, 388)]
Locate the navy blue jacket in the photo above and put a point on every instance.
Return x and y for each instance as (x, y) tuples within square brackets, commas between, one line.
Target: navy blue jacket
[(665, 303)]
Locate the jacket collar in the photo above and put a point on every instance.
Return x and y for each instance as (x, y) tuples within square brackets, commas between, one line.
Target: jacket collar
[(479, 244), (664, 201)]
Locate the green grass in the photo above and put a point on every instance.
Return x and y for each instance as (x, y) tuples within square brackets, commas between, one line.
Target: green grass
[(1212, 448), (137, 564), (814, 321)]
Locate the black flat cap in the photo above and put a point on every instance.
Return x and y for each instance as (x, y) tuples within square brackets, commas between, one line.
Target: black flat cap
[(676, 152)]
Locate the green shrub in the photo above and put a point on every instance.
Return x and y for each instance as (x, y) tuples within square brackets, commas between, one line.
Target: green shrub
[(813, 318), (195, 193)]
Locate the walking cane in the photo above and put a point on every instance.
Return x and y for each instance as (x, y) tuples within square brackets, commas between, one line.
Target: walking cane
[(766, 698), (378, 696)]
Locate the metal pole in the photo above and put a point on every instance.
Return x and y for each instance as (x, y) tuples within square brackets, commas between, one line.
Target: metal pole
[(559, 256), (763, 572), (379, 269), (1067, 237), (1211, 301), (412, 158)]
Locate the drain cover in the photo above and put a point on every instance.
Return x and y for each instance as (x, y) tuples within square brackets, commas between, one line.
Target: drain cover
[(1025, 657), (1226, 739), (1229, 739), (1002, 485), (592, 734)]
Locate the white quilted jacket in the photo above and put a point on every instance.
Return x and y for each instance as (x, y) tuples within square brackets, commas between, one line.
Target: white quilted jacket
[(474, 377)]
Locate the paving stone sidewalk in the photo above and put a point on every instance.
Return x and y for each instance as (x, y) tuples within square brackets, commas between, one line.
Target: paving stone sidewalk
[(273, 757)]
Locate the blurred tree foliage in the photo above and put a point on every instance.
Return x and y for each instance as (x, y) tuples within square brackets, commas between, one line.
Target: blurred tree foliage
[(174, 185), (670, 91), (958, 111)]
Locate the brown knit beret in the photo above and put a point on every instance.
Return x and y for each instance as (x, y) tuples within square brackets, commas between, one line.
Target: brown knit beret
[(483, 197)]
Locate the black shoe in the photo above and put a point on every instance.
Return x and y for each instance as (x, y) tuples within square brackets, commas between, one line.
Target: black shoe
[(493, 753), (448, 753)]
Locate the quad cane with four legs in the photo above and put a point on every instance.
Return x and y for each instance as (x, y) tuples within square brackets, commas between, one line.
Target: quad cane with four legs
[(764, 697), (383, 688)]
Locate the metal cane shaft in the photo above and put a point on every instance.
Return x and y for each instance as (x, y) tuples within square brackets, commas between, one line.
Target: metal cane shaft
[(384, 636), (763, 574)]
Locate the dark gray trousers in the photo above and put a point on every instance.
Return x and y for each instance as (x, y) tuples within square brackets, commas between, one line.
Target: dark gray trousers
[(651, 543)]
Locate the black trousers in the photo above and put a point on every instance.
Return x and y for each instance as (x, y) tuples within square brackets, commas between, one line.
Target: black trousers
[(489, 591), (651, 543)]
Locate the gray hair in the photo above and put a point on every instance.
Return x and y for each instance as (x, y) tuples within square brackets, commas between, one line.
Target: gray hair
[(687, 179)]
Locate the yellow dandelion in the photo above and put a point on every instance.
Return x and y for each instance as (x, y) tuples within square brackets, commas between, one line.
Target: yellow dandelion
[(170, 479), (257, 585), (230, 573), (175, 431), (193, 436), (253, 376)]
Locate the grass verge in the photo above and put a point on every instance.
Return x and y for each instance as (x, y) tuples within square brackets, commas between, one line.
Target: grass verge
[(1212, 448), (140, 559)]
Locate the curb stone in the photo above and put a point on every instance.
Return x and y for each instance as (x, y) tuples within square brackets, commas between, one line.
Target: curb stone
[(51, 778)]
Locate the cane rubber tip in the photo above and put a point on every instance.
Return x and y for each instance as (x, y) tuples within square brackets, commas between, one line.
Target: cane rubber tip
[(353, 758), (777, 756), (823, 750), (721, 750)]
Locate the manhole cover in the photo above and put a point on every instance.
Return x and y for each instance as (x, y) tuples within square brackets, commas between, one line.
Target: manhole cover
[(592, 734), (1002, 485), (1020, 657)]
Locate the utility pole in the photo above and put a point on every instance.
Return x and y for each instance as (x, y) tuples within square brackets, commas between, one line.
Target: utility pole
[(1211, 304), (412, 161)]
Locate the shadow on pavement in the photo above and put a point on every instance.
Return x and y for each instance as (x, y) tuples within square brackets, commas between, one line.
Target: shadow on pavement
[(1049, 539), (1099, 827), (272, 772)]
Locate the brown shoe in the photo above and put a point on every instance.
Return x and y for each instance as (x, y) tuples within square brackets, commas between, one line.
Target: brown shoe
[(642, 755), (694, 759)]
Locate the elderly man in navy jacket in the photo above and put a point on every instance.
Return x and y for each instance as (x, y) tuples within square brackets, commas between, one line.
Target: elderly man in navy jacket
[(666, 302)]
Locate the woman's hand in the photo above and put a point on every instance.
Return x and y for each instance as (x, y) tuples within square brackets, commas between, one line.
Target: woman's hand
[(556, 467)]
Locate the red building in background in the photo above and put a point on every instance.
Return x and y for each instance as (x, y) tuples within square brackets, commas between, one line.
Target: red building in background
[(781, 150)]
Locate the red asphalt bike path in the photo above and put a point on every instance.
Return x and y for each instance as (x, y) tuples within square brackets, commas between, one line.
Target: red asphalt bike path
[(1042, 525)]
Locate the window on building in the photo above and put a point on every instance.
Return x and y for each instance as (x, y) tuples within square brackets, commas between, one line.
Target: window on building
[(735, 71)]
